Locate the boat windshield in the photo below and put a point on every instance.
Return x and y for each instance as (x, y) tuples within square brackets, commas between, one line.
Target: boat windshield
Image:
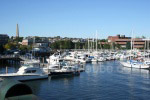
[(64, 67), (30, 71), (63, 63), (28, 65), (31, 65)]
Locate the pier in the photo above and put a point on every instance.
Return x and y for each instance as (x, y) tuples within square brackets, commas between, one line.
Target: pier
[(11, 59)]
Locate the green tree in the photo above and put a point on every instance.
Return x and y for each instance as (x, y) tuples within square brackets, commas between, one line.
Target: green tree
[(23, 47), (78, 45), (86, 45), (103, 40), (1, 49), (10, 46), (128, 45), (66, 44), (18, 39), (55, 45), (69, 44), (113, 45), (143, 37), (106, 46), (118, 46), (37, 38), (29, 47)]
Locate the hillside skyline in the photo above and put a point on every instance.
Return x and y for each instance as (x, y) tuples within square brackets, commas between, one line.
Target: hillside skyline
[(75, 18)]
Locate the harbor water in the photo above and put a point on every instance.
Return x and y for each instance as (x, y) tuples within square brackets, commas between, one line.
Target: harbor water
[(101, 81)]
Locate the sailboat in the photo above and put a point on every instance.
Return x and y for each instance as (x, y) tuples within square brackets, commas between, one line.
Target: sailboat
[(134, 63), (147, 60)]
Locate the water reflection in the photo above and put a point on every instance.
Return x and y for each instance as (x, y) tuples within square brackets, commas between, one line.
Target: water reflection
[(145, 73), (36, 85), (115, 67), (137, 81), (11, 68)]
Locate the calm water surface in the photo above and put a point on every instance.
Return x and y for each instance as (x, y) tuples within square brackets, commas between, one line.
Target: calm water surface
[(102, 81)]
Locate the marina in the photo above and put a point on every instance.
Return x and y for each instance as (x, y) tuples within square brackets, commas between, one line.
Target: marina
[(72, 73), (74, 50), (103, 80)]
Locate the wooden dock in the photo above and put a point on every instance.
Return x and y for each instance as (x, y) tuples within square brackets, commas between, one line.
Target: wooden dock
[(10, 57)]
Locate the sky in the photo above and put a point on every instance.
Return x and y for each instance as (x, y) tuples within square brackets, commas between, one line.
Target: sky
[(75, 18)]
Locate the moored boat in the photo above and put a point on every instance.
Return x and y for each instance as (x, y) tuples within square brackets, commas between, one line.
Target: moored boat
[(26, 72), (135, 64)]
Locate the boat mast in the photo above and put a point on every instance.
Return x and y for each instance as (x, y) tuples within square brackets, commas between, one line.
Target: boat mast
[(33, 48), (131, 40), (145, 49), (131, 44), (148, 47), (88, 44), (93, 42), (96, 40)]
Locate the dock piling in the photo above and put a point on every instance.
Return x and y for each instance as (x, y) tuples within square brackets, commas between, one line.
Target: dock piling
[(6, 69)]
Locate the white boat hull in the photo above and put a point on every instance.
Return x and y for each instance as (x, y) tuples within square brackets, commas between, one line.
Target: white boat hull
[(139, 66), (25, 77)]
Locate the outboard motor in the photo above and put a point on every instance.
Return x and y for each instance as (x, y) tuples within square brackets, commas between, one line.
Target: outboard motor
[(15, 90)]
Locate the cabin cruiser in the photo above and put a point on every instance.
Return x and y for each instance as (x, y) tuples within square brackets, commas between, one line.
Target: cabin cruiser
[(94, 59), (65, 70), (80, 67), (98, 57), (101, 59), (70, 56), (147, 62), (80, 58), (121, 56), (52, 67), (54, 62), (54, 59), (28, 71)]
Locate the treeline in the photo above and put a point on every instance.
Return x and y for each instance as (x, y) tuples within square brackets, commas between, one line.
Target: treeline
[(13, 44), (68, 44)]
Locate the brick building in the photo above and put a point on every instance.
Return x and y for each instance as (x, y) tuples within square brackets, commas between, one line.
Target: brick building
[(122, 40)]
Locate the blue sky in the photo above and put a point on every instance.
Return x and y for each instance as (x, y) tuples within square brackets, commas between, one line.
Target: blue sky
[(75, 18)]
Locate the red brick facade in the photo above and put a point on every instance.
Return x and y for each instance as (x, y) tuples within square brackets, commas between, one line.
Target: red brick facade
[(122, 40)]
